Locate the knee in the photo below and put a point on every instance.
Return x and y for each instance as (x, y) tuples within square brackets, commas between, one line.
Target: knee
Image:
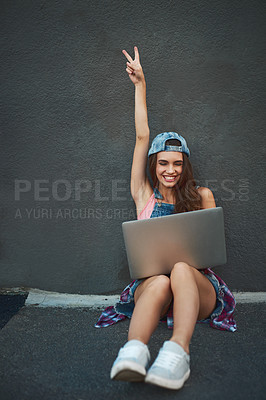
[(181, 270), (160, 286)]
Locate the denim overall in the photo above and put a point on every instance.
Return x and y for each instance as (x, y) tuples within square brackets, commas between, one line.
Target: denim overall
[(161, 209)]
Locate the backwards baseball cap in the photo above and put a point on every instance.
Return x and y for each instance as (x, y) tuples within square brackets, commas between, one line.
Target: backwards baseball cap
[(158, 143)]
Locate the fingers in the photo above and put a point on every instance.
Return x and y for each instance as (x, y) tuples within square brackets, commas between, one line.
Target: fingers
[(129, 69), (136, 53), (127, 55), (130, 66)]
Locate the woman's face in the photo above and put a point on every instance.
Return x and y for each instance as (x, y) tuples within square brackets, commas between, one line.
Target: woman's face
[(169, 167)]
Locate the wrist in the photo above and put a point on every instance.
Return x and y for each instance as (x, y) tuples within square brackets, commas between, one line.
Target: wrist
[(141, 83)]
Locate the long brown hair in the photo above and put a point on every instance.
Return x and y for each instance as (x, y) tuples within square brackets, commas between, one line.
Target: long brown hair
[(186, 195)]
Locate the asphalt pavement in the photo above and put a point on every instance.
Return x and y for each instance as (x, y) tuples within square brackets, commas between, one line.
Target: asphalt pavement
[(57, 354)]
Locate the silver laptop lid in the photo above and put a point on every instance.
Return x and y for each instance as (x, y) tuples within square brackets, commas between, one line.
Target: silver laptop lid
[(154, 245)]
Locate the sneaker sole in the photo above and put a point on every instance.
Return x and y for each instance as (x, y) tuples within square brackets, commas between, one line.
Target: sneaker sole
[(167, 383), (128, 371)]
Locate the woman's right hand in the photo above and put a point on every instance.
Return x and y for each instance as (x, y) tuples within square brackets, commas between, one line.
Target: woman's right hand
[(134, 68)]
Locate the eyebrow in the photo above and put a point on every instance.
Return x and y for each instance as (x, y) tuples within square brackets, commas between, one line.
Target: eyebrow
[(167, 160)]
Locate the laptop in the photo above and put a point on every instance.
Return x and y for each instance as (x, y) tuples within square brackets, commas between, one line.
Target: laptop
[(154, 245)]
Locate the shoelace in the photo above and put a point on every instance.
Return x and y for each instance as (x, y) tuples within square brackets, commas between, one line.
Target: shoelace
[(167, 359)]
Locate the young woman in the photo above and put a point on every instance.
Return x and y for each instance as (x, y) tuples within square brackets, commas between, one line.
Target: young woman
[(187, 295)]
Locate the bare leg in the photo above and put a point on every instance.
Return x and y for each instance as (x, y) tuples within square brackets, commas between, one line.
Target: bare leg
[(194, 298), (152, 299)]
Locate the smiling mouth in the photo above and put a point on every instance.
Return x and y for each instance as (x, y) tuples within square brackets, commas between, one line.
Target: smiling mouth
[(169, 178)]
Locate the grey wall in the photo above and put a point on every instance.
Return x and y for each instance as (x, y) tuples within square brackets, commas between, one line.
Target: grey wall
[(68, 114)]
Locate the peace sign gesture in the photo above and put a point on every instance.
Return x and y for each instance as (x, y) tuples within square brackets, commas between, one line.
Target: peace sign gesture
[(134, 68)]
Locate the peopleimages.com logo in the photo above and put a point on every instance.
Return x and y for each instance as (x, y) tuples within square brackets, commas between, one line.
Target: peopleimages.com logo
[(91, 193), (119, 189)]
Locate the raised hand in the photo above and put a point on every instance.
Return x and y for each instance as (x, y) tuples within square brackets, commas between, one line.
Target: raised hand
[(134, 68)]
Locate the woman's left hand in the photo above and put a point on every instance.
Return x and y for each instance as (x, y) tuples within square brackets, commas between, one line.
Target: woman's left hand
[(134, 68)]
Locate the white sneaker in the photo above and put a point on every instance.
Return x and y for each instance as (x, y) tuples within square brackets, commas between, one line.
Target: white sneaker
[(131, 362), (171, 367)]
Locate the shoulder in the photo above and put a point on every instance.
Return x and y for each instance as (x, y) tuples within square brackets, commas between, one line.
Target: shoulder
[(204, 191), (207, 198)]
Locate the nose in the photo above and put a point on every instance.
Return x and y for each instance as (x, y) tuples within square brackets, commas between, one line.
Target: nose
[(170, 169)]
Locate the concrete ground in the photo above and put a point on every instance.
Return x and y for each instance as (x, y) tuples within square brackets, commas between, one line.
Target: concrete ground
[(56, 353)]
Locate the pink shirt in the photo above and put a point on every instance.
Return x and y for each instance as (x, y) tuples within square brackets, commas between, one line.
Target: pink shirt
[(147, 210)]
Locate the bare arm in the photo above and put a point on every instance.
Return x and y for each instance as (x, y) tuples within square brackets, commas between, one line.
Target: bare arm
[(141, 113), (139, 181)]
